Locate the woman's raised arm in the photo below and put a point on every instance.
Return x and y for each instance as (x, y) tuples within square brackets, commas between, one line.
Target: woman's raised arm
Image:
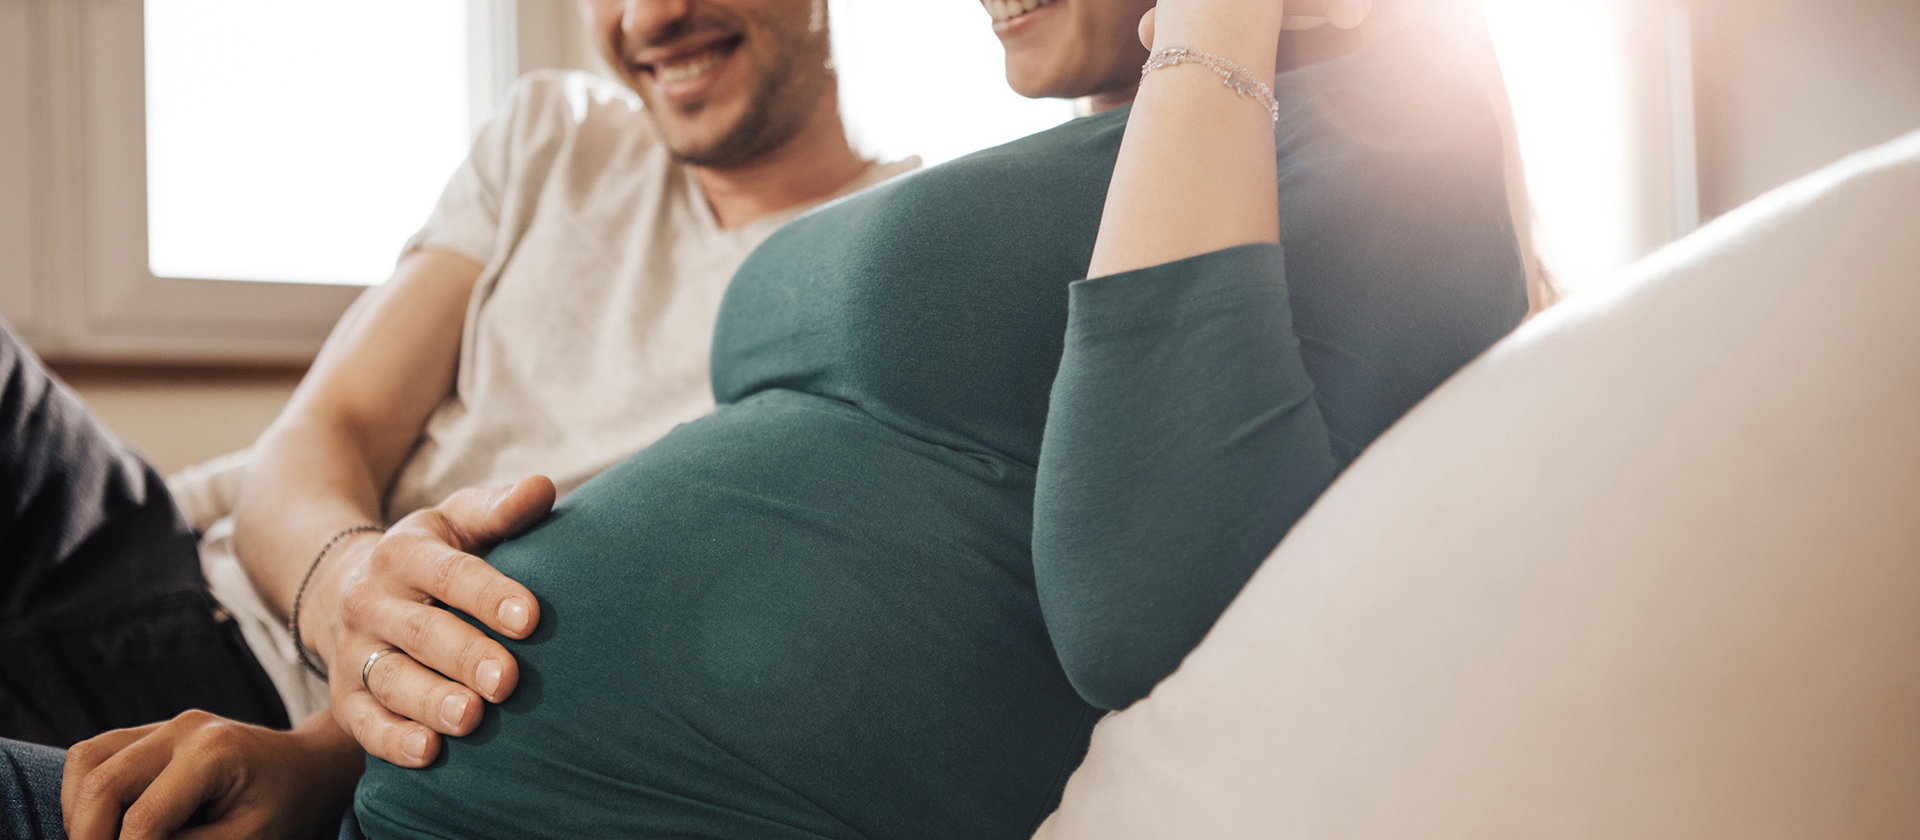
[(1183, 435), (1196, 168)]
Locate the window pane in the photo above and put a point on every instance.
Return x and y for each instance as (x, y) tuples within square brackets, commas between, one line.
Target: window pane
[(928, 78), (298, 142), (1565, 63)]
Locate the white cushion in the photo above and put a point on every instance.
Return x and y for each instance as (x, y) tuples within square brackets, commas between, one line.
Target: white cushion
[(1649, 568), (206, 492)]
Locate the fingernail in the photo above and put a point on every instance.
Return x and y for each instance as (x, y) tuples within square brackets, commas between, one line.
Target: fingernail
[(416, 745), (454, 709), (488, 677), (513, 615)]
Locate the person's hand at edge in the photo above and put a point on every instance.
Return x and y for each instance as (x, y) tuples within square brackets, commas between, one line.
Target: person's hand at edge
[(394, 590), (204, 777), (1344, 14)]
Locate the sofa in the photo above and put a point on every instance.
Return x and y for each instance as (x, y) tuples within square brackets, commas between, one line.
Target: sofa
[(1650, 567)]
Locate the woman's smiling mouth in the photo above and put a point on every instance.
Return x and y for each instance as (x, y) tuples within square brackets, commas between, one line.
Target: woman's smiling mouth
[(1007, 13)]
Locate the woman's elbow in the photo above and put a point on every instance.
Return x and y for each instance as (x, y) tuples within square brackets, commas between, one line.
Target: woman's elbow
[(1118, 635), (1111, 671)]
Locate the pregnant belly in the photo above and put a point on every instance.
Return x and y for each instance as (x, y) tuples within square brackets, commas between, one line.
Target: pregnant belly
[(783, 620)]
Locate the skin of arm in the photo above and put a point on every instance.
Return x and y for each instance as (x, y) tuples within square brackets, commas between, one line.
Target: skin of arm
[(1196, 165), (1197, 160), (325, 464)]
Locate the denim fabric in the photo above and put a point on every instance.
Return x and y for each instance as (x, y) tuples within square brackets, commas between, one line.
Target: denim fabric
[(30, 791), (105, 620), (350, 827)]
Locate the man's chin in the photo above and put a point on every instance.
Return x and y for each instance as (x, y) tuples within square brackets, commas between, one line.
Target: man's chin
[(696, 150), (727, 152), (720, 140), (697, 136)]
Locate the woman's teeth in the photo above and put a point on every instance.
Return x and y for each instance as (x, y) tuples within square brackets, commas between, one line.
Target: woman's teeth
[(690, 68), (1010, 9)]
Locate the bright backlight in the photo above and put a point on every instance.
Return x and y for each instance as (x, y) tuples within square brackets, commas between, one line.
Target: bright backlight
[(298, 142), (1565, 67), (928, 78)]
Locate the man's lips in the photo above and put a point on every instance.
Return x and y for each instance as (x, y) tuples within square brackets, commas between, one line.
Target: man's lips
[(686, 60), (688, 73)]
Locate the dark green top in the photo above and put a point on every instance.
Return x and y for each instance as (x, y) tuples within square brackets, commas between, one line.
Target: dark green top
[(885, 590)]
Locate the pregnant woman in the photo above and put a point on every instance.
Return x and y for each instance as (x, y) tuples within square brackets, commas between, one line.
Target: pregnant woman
[(996, 445), (958, 500)]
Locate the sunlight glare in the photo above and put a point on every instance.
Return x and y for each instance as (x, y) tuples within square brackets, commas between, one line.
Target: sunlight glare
[(298, 143), (928, 78), (1564, 66)]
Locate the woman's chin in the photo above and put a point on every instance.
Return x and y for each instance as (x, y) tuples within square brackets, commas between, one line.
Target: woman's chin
[(1026, 87), (1040, 77), (1072, 70)]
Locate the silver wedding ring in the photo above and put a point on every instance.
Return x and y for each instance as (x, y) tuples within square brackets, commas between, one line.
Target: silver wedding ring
[(368, 668)]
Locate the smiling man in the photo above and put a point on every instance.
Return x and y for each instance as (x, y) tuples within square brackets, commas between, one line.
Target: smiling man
[(553, 316)]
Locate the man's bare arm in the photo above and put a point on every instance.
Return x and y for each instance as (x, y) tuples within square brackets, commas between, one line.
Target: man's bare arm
[(326, 464)]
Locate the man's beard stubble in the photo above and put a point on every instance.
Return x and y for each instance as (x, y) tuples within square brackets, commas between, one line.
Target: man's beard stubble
[(781, 102)]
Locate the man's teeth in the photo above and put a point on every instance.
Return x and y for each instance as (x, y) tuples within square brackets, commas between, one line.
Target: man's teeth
[(1010, 9), (681, 71)]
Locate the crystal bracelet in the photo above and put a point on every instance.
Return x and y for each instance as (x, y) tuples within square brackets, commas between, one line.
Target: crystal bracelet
[(1235, 77)]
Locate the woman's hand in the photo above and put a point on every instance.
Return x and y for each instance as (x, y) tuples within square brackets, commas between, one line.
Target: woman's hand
[(203, 777), (393, 593)]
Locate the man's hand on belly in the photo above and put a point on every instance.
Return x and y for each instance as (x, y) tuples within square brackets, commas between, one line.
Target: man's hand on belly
[(394, 593)]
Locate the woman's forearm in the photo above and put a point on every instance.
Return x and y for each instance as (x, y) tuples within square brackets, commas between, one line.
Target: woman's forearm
[(1196, 168), (1183, 437)]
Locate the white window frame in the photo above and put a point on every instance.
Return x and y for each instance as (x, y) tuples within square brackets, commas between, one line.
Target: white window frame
[(1656, 158), (1665, 144), (80, 288)]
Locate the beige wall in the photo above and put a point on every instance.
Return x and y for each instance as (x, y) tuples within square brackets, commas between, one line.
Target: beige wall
[(181, 418), (1788, 86)]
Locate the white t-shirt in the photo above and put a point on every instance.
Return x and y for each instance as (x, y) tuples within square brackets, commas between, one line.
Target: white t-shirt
[(588, 332)]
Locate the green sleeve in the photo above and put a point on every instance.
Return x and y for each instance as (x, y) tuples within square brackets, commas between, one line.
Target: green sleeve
[(1182, 441)]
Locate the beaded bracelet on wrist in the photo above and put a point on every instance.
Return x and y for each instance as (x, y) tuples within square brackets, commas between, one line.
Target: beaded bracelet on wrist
[(1237, 79), (293, 616)]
